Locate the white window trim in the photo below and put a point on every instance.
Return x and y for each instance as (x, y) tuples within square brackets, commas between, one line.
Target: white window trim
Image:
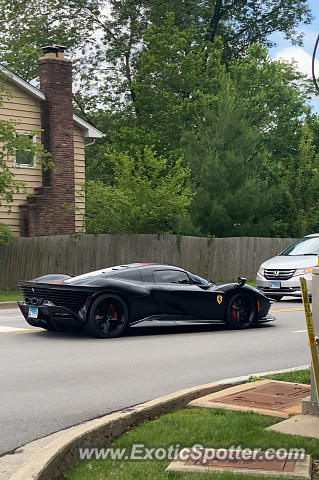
[(26, 165)]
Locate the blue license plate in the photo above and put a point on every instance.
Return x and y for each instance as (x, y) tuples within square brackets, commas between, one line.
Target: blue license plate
[(274, 284), (33, 312)]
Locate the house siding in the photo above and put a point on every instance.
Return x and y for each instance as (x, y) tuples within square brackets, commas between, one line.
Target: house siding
[(25, 111), (79, 177)]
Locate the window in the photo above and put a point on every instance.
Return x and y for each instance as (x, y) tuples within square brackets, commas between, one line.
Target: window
[(23, 158), (171, 276), (197, 280), (304, 246), (129, 274)]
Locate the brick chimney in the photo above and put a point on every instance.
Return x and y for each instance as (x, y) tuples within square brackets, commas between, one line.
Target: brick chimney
[(51, 210)]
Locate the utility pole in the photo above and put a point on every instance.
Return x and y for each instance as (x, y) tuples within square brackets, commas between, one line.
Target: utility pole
[(315, 319)]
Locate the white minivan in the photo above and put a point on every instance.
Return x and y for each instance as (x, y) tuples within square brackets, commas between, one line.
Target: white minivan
[(280, 275)]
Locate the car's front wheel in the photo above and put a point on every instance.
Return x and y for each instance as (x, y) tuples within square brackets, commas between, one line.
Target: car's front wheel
[(108, 317), (241, 311)]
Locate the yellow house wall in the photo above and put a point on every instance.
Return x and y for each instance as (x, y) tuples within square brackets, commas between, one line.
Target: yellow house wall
[(79, 176), (25, 111)]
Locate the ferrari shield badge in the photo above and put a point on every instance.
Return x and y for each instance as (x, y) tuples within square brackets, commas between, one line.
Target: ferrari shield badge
[(219, 299)]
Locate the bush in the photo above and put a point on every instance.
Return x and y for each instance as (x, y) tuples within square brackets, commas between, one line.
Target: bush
[(5, 234)]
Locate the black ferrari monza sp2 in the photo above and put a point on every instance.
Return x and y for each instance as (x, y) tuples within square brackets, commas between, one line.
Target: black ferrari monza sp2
[(105, 302)]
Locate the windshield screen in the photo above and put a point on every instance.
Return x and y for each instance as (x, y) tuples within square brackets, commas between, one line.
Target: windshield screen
[(305, 246), (198, 280)]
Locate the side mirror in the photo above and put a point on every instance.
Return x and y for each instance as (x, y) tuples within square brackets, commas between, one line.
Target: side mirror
[(241, 281)]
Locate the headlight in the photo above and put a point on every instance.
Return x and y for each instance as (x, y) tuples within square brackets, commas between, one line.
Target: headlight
[(303, 271), (261, 271)]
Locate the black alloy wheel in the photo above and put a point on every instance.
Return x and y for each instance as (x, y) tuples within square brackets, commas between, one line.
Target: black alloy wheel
[(241, 311), (108, 317)]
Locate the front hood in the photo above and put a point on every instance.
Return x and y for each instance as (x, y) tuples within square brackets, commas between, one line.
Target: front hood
[(291, 262)]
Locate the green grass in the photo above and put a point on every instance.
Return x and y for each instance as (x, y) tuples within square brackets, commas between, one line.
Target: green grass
[(210, 428), (301, 376), (10, 295)]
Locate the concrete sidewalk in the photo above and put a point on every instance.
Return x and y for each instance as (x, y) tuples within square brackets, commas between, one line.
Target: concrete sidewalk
[(302, 425), (265, 397)]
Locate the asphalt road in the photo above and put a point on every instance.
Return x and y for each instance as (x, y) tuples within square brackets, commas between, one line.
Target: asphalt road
[(50, 381)]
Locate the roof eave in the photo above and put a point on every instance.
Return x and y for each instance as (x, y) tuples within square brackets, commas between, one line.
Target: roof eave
[(26, 86), (89, 130)]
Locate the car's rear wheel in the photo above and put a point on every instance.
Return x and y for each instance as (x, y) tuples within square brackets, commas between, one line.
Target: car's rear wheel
[(241, 311), (108, 317)]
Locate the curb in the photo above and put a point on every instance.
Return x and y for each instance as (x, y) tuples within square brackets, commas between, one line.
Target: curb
[(7, 305), (50, 462)]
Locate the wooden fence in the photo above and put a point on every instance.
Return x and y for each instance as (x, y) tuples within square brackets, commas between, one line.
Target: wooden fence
[(218, 258)]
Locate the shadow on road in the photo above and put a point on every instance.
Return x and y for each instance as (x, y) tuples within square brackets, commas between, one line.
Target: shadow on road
[(149, 329), (288, 300)]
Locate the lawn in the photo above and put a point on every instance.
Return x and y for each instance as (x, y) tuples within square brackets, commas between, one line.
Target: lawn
[(301, 376), (10, 295), (210, 428)]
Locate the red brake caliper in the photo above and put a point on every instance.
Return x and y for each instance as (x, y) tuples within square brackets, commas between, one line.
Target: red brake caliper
[(114, 312), (234, 312)]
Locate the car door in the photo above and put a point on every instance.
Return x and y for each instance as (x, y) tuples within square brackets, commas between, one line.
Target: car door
[(181, 295)]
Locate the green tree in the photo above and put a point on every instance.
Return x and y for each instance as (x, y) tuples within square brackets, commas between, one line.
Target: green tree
[(274, 97), (240, 130), (26, 26), (188, 79), (110, 32), (242, 23), (5, 234), (173, 74), (303, 187), (114, 67), (226, 160), (148, 195), (239, 23)]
